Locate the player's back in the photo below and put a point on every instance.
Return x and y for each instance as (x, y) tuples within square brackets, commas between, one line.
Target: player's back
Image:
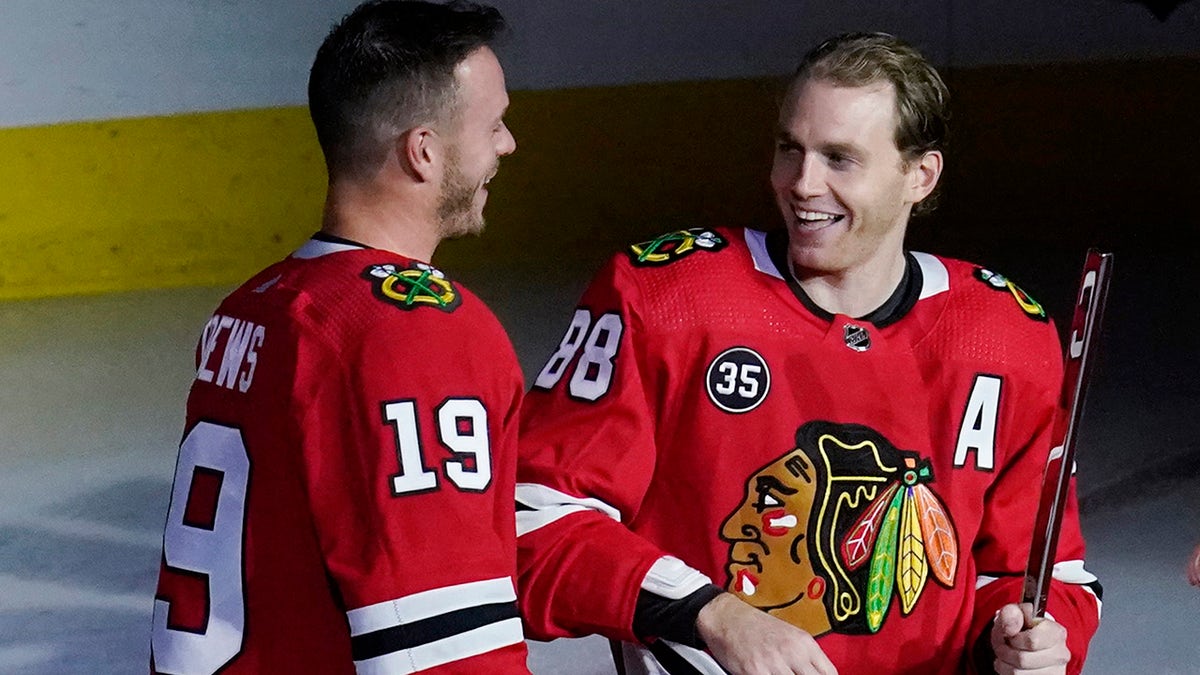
[(308, 501)]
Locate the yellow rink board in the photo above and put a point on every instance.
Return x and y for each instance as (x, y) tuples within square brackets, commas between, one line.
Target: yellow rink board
[(209, 198), (155, 202)]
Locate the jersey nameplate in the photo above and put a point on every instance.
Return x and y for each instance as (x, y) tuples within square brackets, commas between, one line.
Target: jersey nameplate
[(672, 246), (738, 380), (418, 285), (1031, 307), (229, 352)]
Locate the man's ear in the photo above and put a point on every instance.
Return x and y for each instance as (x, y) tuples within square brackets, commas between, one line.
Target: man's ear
[(420, 152), (924, 174)]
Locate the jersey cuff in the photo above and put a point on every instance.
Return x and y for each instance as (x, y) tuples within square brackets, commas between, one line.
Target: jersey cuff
[(672, 619)]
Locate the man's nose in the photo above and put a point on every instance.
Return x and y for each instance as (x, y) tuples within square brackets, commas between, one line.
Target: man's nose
[(809, 180), (507, 144)]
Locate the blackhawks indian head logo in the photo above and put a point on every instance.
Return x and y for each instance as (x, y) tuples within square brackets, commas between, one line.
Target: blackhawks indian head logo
[(839, 532), (417, 285), (672, 246)]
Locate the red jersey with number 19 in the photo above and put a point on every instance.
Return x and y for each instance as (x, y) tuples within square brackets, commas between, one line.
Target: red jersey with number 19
[(343, 495)]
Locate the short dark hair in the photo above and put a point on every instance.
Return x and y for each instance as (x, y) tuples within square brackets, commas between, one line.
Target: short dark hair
[(922, 99), (386, 67)]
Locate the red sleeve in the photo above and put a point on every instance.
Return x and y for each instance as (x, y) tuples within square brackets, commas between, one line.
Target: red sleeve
[(588, 453), (1002, 548)]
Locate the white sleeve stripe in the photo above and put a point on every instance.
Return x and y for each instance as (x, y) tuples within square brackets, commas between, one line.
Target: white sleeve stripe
[(983, 580), (673, 579), (1068, 572), (1072, 572), (460, 646), (528, 521), (546, 505), (430, 603)]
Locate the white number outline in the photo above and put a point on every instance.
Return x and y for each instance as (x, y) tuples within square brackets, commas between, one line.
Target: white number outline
[(414, 477), (586, 334), (557, 364), (217, 555)]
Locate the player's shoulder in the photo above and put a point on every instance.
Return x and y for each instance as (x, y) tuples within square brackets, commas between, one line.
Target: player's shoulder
[(679, 277), (675, 256), (671, 248), (987, 314), (991, 289), (347, 290)]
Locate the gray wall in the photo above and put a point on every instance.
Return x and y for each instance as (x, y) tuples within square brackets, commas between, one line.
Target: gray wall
[(67, 60)]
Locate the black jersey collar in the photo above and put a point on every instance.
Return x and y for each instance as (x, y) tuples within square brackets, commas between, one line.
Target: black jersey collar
[(892, 310), (323, 243)]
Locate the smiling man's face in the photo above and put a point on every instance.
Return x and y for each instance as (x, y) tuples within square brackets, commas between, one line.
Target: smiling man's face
[(844, 189)]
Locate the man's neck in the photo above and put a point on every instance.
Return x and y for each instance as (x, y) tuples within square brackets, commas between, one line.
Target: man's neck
[(857, 291), (382, 221)]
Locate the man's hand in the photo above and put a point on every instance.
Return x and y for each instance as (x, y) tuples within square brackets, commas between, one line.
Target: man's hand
[(1038, 650), (747, 641)]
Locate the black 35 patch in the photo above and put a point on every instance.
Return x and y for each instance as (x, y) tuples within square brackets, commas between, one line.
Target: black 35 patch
[(672, 246), (1031, 307), (418, 285), (738, 380)]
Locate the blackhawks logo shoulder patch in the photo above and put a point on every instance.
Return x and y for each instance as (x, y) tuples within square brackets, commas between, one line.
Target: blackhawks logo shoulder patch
[(999, 282), (417, 285), (675, 245)]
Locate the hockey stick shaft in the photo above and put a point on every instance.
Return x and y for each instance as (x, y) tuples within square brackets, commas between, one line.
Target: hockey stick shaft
[(1081, 343)]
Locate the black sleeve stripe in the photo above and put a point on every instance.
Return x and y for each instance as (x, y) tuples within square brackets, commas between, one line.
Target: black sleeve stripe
[(400, 638)]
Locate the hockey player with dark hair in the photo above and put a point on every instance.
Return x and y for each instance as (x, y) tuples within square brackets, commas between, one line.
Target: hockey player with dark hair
[(342, 498)]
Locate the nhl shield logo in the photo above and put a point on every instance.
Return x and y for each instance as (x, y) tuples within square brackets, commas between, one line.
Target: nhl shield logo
[(856, 337)]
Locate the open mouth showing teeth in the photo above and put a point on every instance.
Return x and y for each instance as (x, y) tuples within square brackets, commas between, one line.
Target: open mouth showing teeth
[(817, 217)]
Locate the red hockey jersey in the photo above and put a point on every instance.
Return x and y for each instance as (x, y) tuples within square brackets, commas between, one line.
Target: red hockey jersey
[(873, 482), (342, 499)]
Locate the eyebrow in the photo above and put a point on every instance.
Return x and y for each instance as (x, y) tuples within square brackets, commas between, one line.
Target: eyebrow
[(841, 149), (784, 136)]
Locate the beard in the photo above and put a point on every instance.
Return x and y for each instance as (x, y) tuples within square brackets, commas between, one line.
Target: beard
[(456, 205)]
